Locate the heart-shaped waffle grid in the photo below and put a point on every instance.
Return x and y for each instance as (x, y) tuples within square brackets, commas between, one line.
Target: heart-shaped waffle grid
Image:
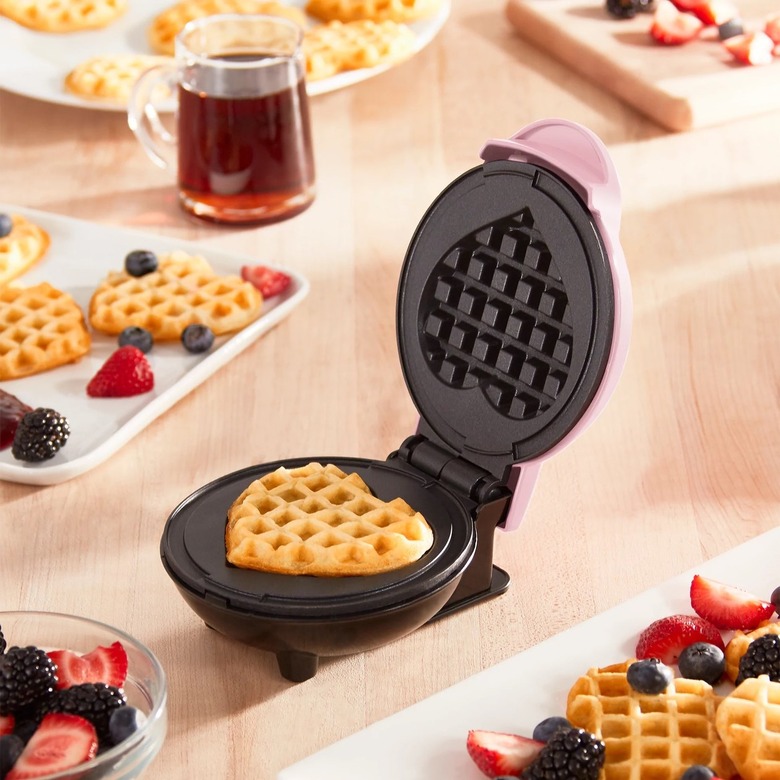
[(318, 520), (376, 10), (23, 246), (60, 16)]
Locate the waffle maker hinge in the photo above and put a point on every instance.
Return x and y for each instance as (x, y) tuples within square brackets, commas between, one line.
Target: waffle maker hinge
[(489, 498)]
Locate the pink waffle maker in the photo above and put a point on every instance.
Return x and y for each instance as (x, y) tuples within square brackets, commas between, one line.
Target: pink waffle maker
[(513, 322)]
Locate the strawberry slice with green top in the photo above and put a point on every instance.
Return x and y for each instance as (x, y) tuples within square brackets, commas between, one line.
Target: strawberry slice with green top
[(666, 638), (496, 753), (60, 742), (728, 607), (103, 664)]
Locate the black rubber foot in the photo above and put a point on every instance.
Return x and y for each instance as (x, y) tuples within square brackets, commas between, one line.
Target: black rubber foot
[(297, 667)]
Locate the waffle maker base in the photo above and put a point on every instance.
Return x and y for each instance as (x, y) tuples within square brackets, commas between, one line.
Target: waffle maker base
[(303, 618)]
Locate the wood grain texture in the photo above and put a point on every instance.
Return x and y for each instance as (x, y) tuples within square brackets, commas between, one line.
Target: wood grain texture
[(682, 464)]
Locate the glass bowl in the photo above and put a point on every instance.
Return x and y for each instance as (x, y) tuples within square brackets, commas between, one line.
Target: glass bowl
[(145, 687)]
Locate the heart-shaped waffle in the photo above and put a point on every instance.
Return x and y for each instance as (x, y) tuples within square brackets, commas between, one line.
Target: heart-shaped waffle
[(23, 246), (184, 290), (649, 737), (748, 722), (376, 10), (62, 16), (318, 520)]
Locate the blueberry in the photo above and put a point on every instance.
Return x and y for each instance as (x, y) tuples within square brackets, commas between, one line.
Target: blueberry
[(140, 262), (622, 9), (197, 338), (775, 599), (546, 728), (6, 225), (124, 722), (11, 748), (730, 28), (136, 337), (649, 676), (698, 772), (702, 661)]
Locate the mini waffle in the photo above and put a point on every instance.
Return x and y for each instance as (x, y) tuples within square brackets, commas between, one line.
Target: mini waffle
[(182, 291), (109, 78), (41, 327), (23, 246), (335, 47), (318, 520), (748, 722), (168, 24), (738, 645), (375, 10), (649, 737), (60, 16)]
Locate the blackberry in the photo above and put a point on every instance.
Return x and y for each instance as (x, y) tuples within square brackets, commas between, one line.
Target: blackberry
[(6, 225), (40, 435), (197, 338), (140, 262), (27, 677), (570, 754), (136, 337), (2, 641), (93, 701), (761, 657), (622, 9)]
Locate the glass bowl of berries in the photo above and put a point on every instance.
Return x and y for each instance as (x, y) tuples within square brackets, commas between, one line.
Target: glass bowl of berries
[(78, 699)]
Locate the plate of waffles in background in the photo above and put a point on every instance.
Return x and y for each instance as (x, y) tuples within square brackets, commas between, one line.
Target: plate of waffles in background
[(88, 53), (69, 291), (490, 724)]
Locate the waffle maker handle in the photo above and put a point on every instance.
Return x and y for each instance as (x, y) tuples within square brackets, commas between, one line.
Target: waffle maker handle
[(580, 158)]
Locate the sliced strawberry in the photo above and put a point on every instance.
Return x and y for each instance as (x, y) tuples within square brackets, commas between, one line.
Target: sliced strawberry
[(715, 12), (772, 27), (6, 724), (673, 27), (728, 607), (60, 742), (125, 372), (269, 281), (666, 638), (753, 48), (496, 753), (103, 664)]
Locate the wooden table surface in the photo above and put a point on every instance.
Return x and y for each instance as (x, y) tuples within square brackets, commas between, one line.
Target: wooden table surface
[(681, 466)]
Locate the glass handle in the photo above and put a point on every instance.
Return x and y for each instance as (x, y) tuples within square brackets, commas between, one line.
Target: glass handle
[(143, 117)]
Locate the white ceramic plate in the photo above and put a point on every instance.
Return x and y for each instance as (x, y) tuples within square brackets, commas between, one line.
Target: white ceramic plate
[(80, 255), (428, 740), (35, 64)]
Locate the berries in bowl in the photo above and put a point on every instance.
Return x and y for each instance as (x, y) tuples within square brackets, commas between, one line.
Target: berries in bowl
[(78, 699)]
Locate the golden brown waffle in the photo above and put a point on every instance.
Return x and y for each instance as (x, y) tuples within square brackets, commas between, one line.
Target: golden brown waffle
[(406, 11), (335, 47), (59, 16), (168, 24), (183, 290), (318, 520), (23, 246), (738, 645), (649, 737), (41, 327), (109, 78), (748, 722)]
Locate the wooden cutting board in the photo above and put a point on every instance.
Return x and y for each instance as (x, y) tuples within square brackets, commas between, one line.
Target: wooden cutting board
[(696, 84)]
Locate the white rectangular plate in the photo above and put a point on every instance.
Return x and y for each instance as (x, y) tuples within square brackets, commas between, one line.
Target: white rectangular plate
[(80, 256), (428, 740)]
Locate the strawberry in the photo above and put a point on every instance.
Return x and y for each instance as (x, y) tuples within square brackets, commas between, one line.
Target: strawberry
[(715, 12), (125, 372), (772, 27), (727, 607), (60, 742), (269, 281), (666, 638), (496, 753), (103, 664), (753, 48), (673, 27), (6, 724)]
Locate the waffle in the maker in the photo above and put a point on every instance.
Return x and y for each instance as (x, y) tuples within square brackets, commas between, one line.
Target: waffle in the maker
[(41, 327), (376, 10), (321, 521), (182, 291), (649, 737), (23, 246), (170, 22), (60, 16), (738, 645), (748, 722), (109, 77), (336, 46)]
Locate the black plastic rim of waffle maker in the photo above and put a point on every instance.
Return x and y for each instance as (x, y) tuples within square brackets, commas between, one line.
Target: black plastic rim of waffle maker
[(505, 319)]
